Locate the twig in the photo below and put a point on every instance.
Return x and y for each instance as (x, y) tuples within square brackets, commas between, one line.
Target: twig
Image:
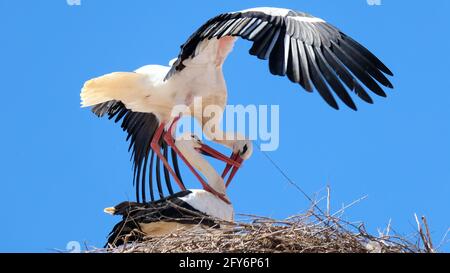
[(430, 243), (328, 200), (443, 241), (422, 235)]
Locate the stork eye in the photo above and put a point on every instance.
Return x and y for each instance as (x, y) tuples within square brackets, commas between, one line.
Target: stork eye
[(244, 149)]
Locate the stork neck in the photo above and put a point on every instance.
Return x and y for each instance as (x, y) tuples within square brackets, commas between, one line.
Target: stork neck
[(214, 180)]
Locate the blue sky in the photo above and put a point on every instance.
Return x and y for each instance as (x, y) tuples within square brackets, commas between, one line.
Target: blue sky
[(60, 166)]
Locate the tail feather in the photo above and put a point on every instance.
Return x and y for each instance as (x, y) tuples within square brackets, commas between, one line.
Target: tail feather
[(123, 86)]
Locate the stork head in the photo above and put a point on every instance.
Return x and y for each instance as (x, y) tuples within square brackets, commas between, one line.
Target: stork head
[(244, 148)]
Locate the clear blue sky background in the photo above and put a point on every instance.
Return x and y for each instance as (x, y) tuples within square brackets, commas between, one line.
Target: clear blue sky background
[(60, 166)]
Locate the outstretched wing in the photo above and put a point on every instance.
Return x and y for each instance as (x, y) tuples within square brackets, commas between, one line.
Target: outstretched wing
[(306, 49), (141, 128)]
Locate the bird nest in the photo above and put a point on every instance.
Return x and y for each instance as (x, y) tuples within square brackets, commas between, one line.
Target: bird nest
[(311, 232)]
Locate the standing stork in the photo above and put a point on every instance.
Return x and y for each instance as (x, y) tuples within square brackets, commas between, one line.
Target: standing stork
[(306, 49)]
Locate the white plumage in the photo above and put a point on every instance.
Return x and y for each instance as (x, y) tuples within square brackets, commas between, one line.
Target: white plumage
[(209, 204), (306, 49)]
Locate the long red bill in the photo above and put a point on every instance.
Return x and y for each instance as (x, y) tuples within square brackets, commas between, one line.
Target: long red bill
[(233, 157), (233, 171), (218, 155)]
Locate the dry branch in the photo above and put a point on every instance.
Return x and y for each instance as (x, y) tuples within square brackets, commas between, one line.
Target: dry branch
[(312, 231)]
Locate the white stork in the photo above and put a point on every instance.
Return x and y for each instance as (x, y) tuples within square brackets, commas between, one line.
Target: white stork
[(185, 210), (306, 49)]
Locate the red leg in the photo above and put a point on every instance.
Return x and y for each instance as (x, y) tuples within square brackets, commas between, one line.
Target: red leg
[(207, 149), (170, 141), (155, 147)]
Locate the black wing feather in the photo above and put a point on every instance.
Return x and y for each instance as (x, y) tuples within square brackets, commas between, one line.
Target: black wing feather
[(374, 59), (166, 171), (306, 79), (158, 178), (261, 45), (294, 68), (318, 80), (141, 128), (307, 50), (332, 79), (365, 63), (277, 60), (356, 69), (351, 82), (150, 177), (175, 165)]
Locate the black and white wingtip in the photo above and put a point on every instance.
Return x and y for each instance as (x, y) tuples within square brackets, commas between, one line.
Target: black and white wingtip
[(306, 49)]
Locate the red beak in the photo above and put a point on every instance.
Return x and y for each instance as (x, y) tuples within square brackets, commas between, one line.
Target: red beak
[(234, 170), (218, 155)]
